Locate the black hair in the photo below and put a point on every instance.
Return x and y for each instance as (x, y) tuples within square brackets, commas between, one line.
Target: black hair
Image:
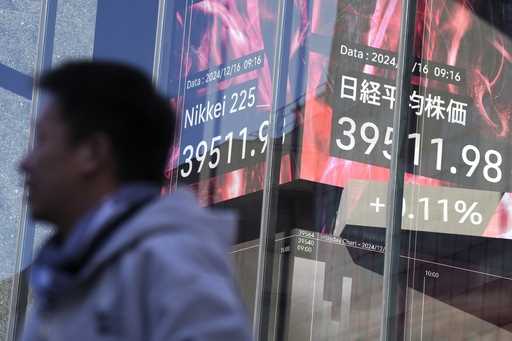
[(121, 102)]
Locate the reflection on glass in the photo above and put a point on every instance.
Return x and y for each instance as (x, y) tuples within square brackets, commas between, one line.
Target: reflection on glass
[(341, 75), (18, 39), (220, 79), (455, 234), (335, 130)]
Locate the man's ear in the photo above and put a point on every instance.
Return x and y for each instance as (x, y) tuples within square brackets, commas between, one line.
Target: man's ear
[(96, 154)]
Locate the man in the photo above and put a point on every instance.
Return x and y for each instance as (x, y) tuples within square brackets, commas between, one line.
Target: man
[(124, 263)]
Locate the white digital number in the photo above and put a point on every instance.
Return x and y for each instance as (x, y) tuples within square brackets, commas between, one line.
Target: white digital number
[(229, 138), (188, 161), (201, 152), (243, 133), (388, 140), (495, 166), (416, 137), (263, 135), (371, 140), (348, 133), (243, 99), (473, 163), (439, 154), (214, 150), (251, 98)]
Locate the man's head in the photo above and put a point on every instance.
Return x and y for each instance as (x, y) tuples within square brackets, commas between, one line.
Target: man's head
[(104, 125)]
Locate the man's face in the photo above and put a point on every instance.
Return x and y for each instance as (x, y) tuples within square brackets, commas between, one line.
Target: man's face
[(52, 168)]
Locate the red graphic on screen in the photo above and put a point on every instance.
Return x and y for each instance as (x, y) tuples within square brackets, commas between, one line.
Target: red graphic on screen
[(229, 30), (446, 33)]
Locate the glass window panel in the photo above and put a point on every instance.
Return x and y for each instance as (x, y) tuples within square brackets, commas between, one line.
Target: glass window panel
[(73, 38), (74, 29), (15, 122), (340, 71), (455, 227), (19, 26), (220, 58), (332, 93)]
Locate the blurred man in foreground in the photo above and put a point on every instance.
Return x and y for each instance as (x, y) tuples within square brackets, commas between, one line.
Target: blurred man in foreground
[(124, 262)]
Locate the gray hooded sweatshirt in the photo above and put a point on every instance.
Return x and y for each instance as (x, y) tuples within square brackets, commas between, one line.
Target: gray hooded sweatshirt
[(164, 274)]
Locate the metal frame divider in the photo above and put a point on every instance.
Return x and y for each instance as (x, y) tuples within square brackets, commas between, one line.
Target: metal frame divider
[(391, 320), (263, 295), (159, 41), (24, 256)]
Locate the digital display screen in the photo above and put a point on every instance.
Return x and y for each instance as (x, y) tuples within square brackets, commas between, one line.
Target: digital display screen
[(459, 110), (340, 98), (339, 65), (225, 97)]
